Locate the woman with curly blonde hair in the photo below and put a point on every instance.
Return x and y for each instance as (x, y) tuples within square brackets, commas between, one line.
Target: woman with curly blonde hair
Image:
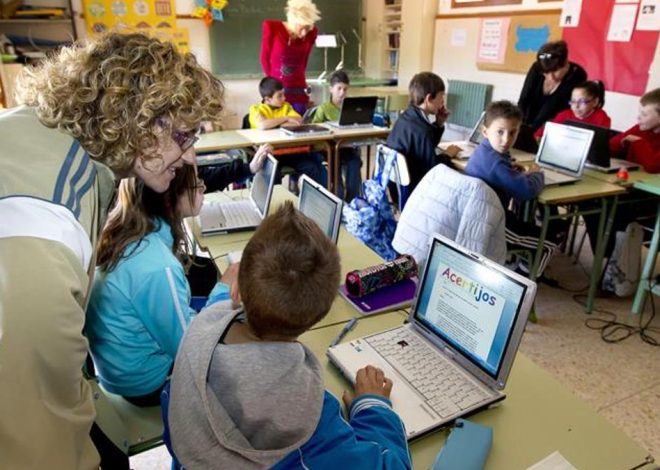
[(125, 104)]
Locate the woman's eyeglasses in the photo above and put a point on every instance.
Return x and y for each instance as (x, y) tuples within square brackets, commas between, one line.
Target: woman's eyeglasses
[(580, 102), (184, 139), (546, 55)]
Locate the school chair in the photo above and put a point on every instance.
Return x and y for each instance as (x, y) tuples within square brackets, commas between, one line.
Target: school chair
[(400, 178)]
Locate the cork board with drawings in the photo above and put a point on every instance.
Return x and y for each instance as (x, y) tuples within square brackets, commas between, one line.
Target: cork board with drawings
[(526, 34)]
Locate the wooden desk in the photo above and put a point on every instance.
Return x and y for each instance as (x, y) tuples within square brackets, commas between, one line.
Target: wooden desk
[(538, 416), (221, 140), (354, 254), (650, 185)]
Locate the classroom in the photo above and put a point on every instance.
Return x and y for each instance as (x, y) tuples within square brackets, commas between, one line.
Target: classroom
[(319, 233)]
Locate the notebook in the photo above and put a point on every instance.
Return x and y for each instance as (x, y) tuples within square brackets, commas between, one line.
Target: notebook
[(468, 146), (320, 205), (563, 152), (304, 130), (599, 153), (246, 214), (454, 355), (356, 111)]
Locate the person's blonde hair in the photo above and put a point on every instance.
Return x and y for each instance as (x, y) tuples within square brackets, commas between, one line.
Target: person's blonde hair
[(302, 12), (111, 93)]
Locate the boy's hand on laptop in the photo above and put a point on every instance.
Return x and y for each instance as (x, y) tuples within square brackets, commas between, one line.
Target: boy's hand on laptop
[(453, 150), (259, 157), (369, 380), (533, 167), (295, 120)]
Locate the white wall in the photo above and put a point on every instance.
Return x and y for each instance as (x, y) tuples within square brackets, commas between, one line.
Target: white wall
[(459, 62)]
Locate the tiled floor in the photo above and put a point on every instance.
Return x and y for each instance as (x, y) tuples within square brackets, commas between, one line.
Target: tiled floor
[(621, 381)]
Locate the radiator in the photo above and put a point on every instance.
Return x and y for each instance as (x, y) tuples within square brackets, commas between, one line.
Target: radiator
[(466, 101)]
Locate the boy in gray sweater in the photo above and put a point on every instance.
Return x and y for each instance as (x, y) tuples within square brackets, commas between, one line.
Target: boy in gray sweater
[(246, 394)]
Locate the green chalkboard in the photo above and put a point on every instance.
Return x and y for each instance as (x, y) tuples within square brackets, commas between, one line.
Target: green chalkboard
[(236, 41)]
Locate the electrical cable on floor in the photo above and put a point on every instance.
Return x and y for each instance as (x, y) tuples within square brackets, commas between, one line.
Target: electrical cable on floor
[(613, 331)]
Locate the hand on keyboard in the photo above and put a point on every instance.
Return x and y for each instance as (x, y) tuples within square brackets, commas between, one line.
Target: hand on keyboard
[(369, 380)]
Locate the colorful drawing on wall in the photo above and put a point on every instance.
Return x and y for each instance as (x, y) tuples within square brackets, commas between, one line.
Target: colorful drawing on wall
[(209, 10), (531, 39), (493, 39), (128, 15)]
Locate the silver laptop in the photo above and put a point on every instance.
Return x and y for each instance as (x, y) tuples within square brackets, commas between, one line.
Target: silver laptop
[(563, 153), (305, 130), (454, 355), (356, 111), (247, 214), (320, 205), (469, 146)]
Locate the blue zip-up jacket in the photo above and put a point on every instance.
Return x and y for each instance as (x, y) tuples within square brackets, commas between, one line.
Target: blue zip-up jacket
[(137, 315), (497, 170)]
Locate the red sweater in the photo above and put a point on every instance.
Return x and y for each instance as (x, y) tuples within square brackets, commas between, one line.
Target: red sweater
[(285, 58), (645, 151), (597, 118)]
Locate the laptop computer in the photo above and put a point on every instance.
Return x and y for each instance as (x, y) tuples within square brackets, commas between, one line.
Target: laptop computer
[(469, 146), (563, 152), (320, 205), (356, 111), (454, 355), (247, 214), (599, 153), (305, 130)]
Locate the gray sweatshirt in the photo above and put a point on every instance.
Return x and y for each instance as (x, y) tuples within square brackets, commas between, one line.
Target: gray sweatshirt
[(242, 405)]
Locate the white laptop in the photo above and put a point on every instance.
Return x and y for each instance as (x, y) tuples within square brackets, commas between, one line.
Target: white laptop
[(563, 153), (320, 205), (468, 146), (356, 111), (246, 214), (454, 355)]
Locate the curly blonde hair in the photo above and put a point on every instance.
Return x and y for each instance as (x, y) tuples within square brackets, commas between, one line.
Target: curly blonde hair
[(110, 93), (303, 12)]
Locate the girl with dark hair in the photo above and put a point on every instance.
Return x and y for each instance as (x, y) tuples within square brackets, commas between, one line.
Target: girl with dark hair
[(548, 85), (587, 100)]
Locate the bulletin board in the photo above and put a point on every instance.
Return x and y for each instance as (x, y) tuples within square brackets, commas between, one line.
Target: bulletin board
[(527, 33), (622, 66)]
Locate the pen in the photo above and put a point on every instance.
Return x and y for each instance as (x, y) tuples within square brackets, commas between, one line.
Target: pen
[(344, 331)]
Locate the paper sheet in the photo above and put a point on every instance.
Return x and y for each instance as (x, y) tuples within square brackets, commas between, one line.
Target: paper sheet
[(649, 16), (622, 22), (570, 14), (554, 461)]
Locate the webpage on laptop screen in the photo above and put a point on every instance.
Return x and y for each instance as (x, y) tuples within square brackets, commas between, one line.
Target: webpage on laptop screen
[(469, 305), (315, 205)]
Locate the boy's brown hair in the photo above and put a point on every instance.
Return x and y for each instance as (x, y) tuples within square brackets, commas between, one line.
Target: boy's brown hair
[(422, 84), (289, 274), (653, 98), (502, 109)]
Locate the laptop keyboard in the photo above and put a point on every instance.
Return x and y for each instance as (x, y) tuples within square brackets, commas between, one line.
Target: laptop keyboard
[(446, 390), (237, 215)]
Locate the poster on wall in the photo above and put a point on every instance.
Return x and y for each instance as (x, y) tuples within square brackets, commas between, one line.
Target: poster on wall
[(570, 14), (493, 36), (151, 17), (649, 16), (622, 22)]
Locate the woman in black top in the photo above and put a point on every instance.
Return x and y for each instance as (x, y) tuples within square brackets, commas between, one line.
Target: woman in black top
[(549, 83)]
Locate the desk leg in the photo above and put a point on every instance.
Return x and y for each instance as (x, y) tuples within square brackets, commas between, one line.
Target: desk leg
[(331, 153), (533, 274), (604, 230), (649, 264)]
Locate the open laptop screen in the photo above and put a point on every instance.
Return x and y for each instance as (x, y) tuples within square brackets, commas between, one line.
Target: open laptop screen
[(260, 185), (471, 306), (564, 147), (321, 206), (476, 137)]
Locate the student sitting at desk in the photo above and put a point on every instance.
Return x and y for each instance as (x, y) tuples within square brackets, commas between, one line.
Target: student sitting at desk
[(274, 111), (417, 132), (587, 101), (492, 163), (139, 304), (351, 161), (245, 393), (641, 143)]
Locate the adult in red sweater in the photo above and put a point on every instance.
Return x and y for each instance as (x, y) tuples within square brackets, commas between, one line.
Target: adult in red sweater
[(641, 143), (587, 101), (285, 49)]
